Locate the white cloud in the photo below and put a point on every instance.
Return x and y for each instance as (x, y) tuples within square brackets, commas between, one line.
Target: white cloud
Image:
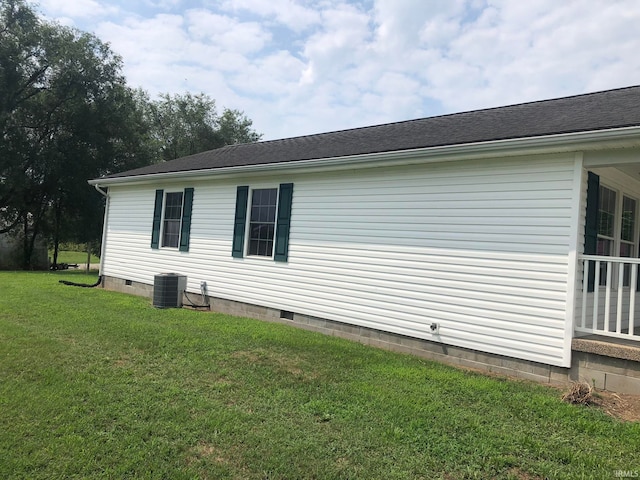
[(275, 75), (401, 22), (77, 8), (305, 66), (286, 12), (163, 4), (519, 51), (225, 32), (340, 44), (160, 40), (364, 67)]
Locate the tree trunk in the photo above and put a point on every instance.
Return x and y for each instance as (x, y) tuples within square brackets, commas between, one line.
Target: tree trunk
[(26, 254), (30, 240), (56, 247), (56, 234)]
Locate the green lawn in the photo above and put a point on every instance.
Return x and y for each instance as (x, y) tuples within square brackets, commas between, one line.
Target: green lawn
[(96, 384), (65, 256)]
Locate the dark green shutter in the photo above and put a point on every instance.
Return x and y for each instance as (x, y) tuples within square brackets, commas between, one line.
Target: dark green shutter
[(281, 253), (591, 225), (185, 230), (242, 195), (157, 219)]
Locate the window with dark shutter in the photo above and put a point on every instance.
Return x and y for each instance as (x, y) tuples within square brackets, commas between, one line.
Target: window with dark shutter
[(265, 213), (172, 219)]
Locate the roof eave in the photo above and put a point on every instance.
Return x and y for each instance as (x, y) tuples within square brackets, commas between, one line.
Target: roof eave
[(566, 142)]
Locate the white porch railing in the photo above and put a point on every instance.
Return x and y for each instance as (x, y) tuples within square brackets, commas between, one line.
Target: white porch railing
[(609, 300)]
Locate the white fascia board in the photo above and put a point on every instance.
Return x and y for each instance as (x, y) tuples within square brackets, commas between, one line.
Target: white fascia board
[(568, 142)]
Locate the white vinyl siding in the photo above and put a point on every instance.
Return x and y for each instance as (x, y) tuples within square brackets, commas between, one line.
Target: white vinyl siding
[(481, 247)]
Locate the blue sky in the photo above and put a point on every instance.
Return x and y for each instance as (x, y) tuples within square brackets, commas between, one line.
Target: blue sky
[(298, 67)]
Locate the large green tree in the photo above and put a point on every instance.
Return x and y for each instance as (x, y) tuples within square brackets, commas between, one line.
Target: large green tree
[(184, 124), (22, 68), (66, 115)]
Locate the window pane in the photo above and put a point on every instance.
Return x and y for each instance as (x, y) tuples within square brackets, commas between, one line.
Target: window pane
[(173, 206), (264, 214), (604, 246), (171, 235), (606, 212), (253, 247), (626, 249), (627, 235), (262, 248), (271, 213), (628, 219)]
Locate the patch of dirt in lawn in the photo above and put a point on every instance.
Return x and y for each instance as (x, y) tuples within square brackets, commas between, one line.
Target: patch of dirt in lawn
[(620, 405), (207, 452), (521, 475), (290, 364)]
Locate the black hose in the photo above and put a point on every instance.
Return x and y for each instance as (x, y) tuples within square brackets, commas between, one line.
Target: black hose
[(195, 305), (84, 285)]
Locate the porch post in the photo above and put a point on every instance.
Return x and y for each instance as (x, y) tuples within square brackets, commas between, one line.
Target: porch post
[(576, 245)]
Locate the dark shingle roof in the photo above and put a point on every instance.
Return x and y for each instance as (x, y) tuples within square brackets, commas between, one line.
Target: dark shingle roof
[(589, 112)]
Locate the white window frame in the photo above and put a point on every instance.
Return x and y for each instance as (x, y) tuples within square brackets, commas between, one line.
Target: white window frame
[(617, 225), (247, 239), (616, 209), (162, 221), (621, 193)]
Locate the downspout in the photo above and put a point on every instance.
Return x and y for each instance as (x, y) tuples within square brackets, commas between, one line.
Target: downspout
[(104, 193)]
